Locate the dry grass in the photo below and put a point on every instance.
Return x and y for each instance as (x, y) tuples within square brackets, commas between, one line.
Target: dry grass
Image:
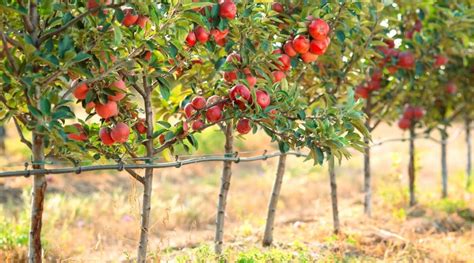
[(95, 217)]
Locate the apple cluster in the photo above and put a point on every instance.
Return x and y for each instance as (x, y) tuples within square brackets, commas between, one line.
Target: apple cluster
[(372, 84), (411, 115), (227, 10)]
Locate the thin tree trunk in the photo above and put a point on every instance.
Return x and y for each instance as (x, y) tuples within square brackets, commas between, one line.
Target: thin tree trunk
[(37, 203), (367, 174), (444, 165), (147, 186), (469, 152), (268, 235), (335, 211), (411, 167), (225, 185)]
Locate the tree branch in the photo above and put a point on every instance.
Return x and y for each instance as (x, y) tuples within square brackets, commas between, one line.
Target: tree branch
[(20, 133)]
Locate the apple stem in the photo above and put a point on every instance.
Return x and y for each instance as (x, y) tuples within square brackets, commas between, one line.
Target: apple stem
[(268, 235), (224, 189)]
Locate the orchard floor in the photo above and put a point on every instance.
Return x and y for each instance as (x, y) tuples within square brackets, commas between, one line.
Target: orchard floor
[(95, 217)]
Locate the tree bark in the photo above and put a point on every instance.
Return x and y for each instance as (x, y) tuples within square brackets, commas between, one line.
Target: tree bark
[(37, 203), (469, 152), (224, 189), (444, 165), (367, 174), (147, 186), (411, 167), (272, 206), (335, 211)]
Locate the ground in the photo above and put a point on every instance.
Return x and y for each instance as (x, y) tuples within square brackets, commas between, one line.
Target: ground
[(95, 217)]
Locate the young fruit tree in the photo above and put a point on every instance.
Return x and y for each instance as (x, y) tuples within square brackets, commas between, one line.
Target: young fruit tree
[(324, 65)]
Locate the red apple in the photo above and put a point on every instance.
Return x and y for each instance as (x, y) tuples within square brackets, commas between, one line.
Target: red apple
[(198, 125), (239, 91), (418, 113), (214, 114), (373, 85), (251, 80), (120, 132), (277, 7), (404, 123), (418, 25), (81, 91), (92, 4), (263, 99), (362, 92), (199, 102), (309, 57), (104, 135), (284, 62), (107, 110), (301, 44), (243, 126), (441, 60), (212, 100), (201, 34), (129, 18), (409, 34), (234, 58), (219, 35), (189, 110), (142, 21), (390, 43), (392, 69), (90, 106), (147, 55), (79, 135), (191, 39), (119, 88), (230, 76), (406, 60), (318, 46), (409, 113), (289, 50), (451, 88), (278, 76), (377, 75), (227, 9), (140, 126), (318, 29)]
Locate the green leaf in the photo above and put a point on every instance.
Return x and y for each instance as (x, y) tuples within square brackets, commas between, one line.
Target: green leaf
[(81, 57), (45, 106), (117, 35), (35, 112)]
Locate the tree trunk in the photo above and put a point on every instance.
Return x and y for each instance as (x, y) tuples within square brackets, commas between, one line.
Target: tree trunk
[(469, 152), (367, 175), (335, 211), (37, 203), (225, 185), (147, 186), (268, 235), (411, 167), (444, 165)]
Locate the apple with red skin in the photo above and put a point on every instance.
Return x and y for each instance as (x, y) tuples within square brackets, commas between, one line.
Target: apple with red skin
[(284, 62), (142, 21), (90, 106), (191, 39), (140, 126), (301, 44), (129, 19), (392, 69), (289, 50), (441, 60), (309, 57), (234, 58), (227, 9), (418, 25), (118, 86), (390, 43), (230, 76), (451, 88), (201, 34), (219, 35), (239, 91), (107, 110), (251, 80), (243, 126), (278, 76), (277, 7), (404, 123), (120, 132), (318, 46), (92, 4), (214, 114), (104, 135), (409, 34), (362, 92), (409, 113), (79, 135), (81, 91), (418, 113), (373, 85), (318, 29), (377, 75), (198, 102), (147, 56), (189, 110), (406, 60), (212, 100), (263, 99), (198, 125)]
